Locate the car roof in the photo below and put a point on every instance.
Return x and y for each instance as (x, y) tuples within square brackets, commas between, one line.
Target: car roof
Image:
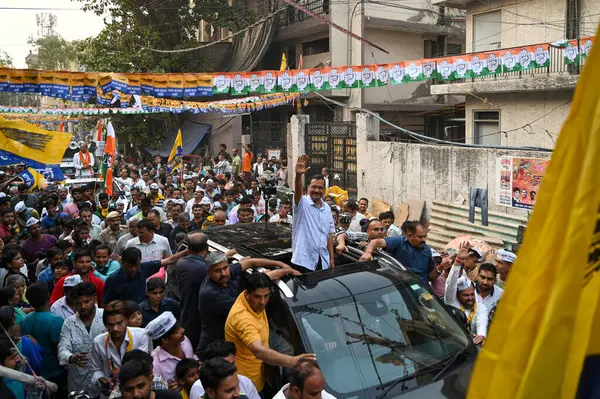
[(344, 281), (268, 240)]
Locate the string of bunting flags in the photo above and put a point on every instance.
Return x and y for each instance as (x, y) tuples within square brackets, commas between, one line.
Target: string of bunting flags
[(110, 87), (158, 105), (375, 75)]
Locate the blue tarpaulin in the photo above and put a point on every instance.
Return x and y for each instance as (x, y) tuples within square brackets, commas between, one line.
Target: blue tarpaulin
[(191, 134)]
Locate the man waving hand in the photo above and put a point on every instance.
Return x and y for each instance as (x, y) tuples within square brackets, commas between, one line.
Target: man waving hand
[(313, 228)]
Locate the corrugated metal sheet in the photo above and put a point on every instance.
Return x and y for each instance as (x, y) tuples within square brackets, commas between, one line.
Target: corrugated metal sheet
[(449, 220)]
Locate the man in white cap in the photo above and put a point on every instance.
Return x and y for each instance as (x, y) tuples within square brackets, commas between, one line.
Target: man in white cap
[(170, 344), (157, 197), (23, 213), (111, 234), (65, 306), (196, 198), (211, 189), (37, 243), (460, 293), (504, 261)]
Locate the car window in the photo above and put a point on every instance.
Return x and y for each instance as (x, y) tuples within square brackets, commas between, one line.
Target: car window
[(372, 338)]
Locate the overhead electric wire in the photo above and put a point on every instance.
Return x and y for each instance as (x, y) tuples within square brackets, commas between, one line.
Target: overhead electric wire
[(426, 139)]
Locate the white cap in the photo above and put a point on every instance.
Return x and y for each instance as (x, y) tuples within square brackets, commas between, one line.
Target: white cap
[(20, 207), (435, 254), (463, 283), (179, 201), (154, 186), (477, 252), (210, 181), (159, 326), (216, 205), (72, 281), (121, 201), (205, 201), (2, 195), (506, 256), (31, 221)]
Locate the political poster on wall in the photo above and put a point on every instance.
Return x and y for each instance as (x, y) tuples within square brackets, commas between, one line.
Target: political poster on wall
[(518, 180)]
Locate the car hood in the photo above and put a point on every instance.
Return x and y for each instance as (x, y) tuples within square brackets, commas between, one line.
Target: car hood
[(453, 386)]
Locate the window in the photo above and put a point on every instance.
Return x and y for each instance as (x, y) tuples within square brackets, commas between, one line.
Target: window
[(453, 49), (486, 31), (399, 330), (315, 47), (486, 127)]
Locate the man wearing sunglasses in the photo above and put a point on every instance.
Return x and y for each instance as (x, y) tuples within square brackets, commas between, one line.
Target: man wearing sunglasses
[(374, 230)]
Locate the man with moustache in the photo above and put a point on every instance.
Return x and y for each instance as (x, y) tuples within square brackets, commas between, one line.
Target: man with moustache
[(76, 337)]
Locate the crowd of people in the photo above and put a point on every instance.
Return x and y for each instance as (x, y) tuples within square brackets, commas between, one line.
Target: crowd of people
[(121, 297)]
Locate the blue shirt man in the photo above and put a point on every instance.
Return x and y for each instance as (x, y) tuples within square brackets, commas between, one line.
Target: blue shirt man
[(313, 228), (410, 250)]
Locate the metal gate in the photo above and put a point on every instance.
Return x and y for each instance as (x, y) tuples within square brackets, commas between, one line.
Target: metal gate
[(268, 135), (332, 145)]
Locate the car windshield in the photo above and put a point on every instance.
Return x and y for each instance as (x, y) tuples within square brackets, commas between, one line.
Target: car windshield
[(369, 339)]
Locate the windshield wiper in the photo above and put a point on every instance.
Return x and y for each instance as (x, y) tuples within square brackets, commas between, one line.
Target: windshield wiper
[(392, 384), (449, 363)]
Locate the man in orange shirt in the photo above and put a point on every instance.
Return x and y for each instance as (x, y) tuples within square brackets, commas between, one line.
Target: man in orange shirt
[(248, 328), (247, 162)]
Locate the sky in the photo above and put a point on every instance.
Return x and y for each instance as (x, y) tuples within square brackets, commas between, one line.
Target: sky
[(16, 26)]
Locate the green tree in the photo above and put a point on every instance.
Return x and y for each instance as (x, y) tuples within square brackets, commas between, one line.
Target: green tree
[(132, 26), (54, 53), (5, 59)]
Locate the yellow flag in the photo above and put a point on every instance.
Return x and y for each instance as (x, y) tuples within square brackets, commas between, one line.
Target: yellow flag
[(283, 66), (548, 320), (176, 156)]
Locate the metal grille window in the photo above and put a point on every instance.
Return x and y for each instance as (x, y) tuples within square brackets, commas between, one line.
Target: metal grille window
[(315, 47)]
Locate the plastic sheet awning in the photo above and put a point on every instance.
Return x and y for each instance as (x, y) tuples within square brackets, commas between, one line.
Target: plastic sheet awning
[(191, 134)]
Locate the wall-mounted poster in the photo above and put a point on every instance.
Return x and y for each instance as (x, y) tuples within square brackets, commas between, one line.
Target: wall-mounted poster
[(518, 180)]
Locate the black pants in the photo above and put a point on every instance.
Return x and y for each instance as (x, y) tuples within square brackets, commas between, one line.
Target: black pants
[(305, 270)]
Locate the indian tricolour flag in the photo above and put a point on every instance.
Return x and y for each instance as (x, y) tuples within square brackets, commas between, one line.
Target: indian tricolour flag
[(110, 149)]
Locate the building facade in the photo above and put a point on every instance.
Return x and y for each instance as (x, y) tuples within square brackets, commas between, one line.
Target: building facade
[(524, 108)]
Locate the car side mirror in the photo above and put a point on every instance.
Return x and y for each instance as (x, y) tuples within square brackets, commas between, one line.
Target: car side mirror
[(459, 315)]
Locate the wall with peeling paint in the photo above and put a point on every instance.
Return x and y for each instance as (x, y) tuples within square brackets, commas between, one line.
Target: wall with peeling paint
[(395, 172)]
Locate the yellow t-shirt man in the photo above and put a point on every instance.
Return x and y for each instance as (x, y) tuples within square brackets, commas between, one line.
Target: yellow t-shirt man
[(243, 327)]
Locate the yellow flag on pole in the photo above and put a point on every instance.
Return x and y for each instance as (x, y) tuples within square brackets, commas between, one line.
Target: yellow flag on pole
[(283, 66), (548, 321), (176, 156)]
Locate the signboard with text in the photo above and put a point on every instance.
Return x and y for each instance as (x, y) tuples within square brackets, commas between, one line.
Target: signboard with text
[(518, 180)]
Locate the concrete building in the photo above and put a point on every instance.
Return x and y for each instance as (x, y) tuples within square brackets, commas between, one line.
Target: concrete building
[(527, 108), (406, 32)]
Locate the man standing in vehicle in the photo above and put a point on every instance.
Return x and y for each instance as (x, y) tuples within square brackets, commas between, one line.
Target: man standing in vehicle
[(313, 228), (248, 328)]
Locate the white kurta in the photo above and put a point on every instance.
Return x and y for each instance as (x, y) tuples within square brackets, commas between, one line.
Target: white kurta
[(78, 164), (479, 324)]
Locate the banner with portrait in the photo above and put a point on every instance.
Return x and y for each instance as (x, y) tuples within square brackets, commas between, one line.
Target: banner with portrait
[(518, 180)]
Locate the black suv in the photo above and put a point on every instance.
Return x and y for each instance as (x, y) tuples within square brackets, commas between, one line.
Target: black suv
[(377, 329)]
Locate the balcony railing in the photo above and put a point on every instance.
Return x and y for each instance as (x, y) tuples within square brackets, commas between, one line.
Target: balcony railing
[(293, 15), (557, 66)]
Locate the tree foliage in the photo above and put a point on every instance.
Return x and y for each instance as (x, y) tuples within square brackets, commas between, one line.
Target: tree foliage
[(53, 53), (132, 26), (5, 59)]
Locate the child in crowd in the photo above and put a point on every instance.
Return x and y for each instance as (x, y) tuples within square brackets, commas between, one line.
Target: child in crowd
[(187, 372), (156, 303), (135, 314)]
